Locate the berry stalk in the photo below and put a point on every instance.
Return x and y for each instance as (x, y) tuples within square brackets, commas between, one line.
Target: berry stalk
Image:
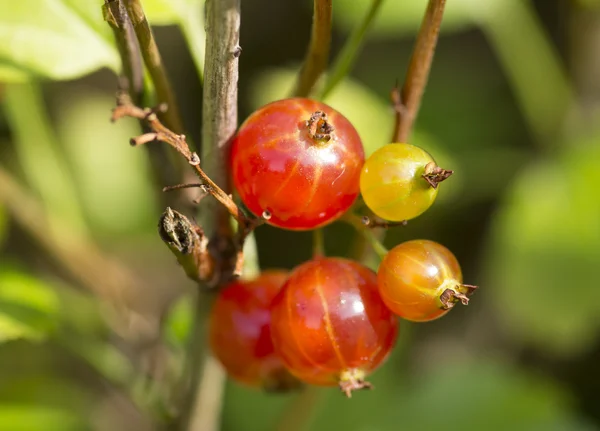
[(362, 227), (317, 55), (408, 101), (347, 56)]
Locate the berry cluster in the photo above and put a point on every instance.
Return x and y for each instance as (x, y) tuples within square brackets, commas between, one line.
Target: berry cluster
[(300, 165)]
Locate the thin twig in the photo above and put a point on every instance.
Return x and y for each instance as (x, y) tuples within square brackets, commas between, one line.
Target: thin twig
[(315, 62), (379, 223), (153, 62), (368, 234), (116, 16), (178, 142), (347, 56), (132, 81), (407, 102)]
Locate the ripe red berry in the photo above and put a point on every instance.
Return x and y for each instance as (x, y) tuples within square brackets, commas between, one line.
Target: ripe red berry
[(297, 161), (399, 181), (240, 332), (421, 280), (330, 326)]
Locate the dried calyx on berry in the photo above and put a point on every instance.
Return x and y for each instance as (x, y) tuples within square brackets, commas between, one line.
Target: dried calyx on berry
[(299, 161), (434, 175), (421, 280), (318, 127), (400, 181)]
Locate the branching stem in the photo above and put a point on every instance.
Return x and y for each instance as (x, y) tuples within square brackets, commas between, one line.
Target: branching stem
[(178, 142), (408, 101), (116, 16), (368, 234)]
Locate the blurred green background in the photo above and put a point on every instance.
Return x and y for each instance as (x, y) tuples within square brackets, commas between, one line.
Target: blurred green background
[(88, 335)]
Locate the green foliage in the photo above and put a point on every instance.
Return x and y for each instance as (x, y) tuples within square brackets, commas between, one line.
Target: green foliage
[(189, 15), (544, 251), (493, 396), (3, 223), (179, 322), (93, 150), (29, 308), (532, 65), (39, 154), (57, 39), (33, 396), (167, 12), (475, 394), (30, 417)]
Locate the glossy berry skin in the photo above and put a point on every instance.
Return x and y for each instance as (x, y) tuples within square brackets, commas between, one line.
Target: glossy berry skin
[(240, 332), (297, 161), (392, 183), (330, 326), (421, 280)]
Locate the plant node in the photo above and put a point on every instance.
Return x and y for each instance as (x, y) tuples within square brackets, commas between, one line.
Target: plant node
[(188, 243)]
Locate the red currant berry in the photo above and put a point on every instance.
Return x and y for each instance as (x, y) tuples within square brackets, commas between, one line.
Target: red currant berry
[(240, 332), (330, 326), (298, 161), (400, 181), (421, 280)]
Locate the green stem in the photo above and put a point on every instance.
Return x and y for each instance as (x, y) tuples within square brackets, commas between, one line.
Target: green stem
[(367, 234), (301, 410), (197, 355), (154, 64), (347, 56), (139, 86), (210, 397), (318, 49), (251, 263), (116, 16), (318, 243), (40, 158)]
